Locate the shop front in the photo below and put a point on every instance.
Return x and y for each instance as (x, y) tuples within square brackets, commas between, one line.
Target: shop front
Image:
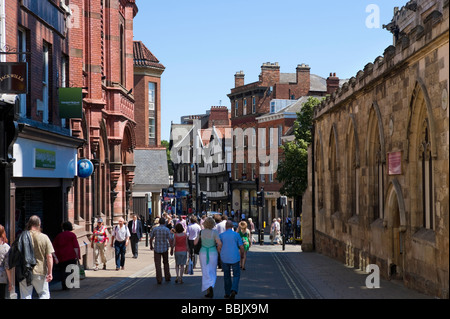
[(46, 164)]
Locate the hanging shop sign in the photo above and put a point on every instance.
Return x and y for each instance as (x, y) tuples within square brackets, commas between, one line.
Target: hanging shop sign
[(70, 103), (85, 168), (13, 78)]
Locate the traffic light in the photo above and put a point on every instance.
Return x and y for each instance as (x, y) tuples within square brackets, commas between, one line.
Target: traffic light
[(281, 202), (279, 206), (203, 197), (260, 199)]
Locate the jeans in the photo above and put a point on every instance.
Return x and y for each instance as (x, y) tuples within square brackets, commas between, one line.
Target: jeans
[(39, 284), (120, 250), (228, 283)]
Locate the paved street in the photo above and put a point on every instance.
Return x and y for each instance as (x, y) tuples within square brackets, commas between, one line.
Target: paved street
[(271, 273)]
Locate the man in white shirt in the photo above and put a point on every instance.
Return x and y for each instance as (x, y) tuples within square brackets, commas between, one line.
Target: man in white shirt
[(119, 240), (221, 227), (192, 231)]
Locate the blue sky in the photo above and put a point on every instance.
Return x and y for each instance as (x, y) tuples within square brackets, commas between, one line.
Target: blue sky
[(203, 43)]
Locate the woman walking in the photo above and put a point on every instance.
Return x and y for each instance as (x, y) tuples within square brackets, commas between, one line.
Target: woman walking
[(211, 246), (181, 249), (6, 284), (245, 235)]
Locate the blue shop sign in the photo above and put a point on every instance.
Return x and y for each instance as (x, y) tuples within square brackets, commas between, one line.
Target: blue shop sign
[(85, 168)]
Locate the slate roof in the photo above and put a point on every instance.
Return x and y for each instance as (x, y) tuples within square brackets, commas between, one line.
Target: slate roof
[(143, 57), (317, 83), (151, 173)]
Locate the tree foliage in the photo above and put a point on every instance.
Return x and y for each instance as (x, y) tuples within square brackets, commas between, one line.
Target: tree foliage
[(166, 144), (293, 168)]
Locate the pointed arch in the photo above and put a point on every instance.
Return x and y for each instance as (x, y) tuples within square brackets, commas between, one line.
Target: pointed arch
[(376, 162), (352, 164), (421, 155), (319, 170), (421, 105), (333, 167)]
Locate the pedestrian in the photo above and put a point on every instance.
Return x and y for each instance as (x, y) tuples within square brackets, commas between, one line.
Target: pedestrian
[(135, 228), (278, 236), (245, 235), (119, 240), (192, 231), (220, 227), (181, 249), (42, 271), (67, 251), (163, 241), (99, 241), (274, 231), (209, 251), (231, 253), (6, 284), (251, 225)]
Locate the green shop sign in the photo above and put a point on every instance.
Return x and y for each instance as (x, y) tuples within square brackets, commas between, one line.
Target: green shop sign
[(70, 103), (44, 159)]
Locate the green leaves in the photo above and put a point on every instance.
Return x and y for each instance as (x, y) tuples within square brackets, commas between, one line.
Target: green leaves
[(293, 168)]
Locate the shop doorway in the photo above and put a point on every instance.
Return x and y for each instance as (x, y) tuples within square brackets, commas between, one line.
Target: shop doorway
[(43, 202)]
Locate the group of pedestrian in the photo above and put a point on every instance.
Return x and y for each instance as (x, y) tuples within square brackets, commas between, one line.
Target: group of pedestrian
[(32, 256), (220, 247)]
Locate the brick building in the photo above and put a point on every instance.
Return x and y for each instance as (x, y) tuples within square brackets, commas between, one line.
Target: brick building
[(84, 47), (45, 152), (152, 174), (379, 163), (101, 63), (259, 111)]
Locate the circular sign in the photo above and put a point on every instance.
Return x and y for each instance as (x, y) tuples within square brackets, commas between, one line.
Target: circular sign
[(85, 168)]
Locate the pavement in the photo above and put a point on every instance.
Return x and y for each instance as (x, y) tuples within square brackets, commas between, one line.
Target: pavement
[(299, 275)]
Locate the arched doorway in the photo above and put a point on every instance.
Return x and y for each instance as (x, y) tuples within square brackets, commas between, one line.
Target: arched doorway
[(396, 226)]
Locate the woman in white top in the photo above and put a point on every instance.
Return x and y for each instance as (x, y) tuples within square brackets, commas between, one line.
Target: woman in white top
[(211, 245)]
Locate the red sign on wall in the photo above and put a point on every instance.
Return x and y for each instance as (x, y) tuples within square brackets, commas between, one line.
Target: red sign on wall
[(395, 163)]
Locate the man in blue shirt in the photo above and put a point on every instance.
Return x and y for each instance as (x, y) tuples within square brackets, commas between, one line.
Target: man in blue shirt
[(230, 254)]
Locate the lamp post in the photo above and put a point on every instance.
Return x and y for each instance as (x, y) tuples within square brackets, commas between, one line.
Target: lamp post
[(9, 130)]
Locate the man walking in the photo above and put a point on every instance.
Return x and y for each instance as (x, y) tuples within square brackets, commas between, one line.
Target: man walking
[(163, 240), (231, 252), (42, 272), (119, 239), (135, 227)]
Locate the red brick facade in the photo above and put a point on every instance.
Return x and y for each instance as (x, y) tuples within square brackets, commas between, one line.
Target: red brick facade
[(101, 61)]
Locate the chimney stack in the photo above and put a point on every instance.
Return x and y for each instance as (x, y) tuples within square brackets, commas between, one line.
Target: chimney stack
[(239, 79), (332, 83), (270, 74), (304, 78)]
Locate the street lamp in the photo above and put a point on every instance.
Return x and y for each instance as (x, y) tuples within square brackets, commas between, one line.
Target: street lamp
[(9, 130)]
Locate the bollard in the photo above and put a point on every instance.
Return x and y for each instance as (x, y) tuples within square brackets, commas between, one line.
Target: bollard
[(261, 237)]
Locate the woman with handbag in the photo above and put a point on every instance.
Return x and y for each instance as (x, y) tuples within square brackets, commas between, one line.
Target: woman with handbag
[(210, 248), (181, 249)]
